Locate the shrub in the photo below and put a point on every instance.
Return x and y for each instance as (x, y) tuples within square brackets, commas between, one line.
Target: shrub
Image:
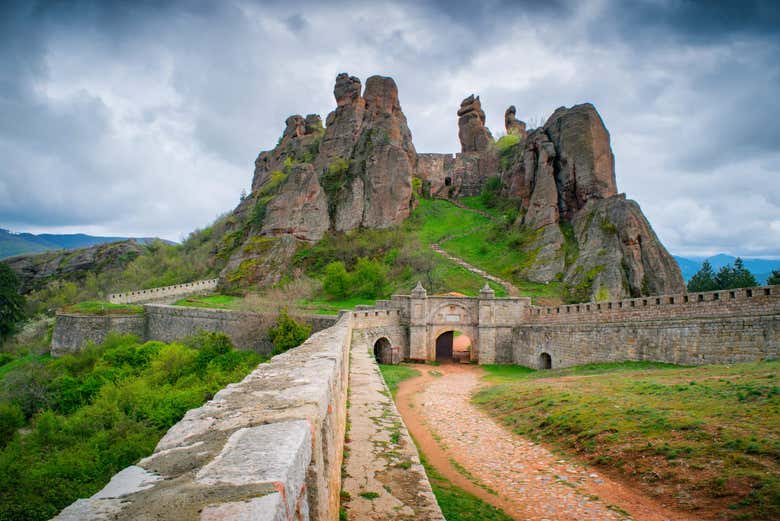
[(369, 278), (337, 281), (491, 192), (506, 149), (287, 333), (11, 302), (11, 419)]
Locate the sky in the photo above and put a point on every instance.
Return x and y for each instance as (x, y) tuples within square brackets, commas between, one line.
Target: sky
[(144, 118)]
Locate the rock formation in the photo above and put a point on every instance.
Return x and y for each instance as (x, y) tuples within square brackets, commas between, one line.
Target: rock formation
[(357, 173), (474, 135), (588, 236), (512, 124)]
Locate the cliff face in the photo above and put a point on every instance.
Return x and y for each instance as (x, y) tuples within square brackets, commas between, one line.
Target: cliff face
[(594, 240), (357, 172)]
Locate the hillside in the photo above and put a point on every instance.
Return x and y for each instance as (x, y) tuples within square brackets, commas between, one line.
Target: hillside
[(13, 244), (760, 268), (552, 189)]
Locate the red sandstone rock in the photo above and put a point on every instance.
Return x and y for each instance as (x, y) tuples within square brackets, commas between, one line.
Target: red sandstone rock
[(474, 135)]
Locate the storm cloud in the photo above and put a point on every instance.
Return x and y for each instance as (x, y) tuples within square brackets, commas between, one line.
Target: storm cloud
[(145, 118)]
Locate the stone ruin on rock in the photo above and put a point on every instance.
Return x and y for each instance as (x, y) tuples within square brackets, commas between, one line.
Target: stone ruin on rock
[(358, 170)]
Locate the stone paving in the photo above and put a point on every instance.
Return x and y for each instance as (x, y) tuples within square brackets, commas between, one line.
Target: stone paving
[(540, 485), (383, 479)]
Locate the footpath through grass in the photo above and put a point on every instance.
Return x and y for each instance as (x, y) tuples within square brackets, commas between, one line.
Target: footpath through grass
[(700, 438), (456, 504), (479, 241)]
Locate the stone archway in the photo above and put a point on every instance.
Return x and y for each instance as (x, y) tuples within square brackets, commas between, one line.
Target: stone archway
[(453, 346), (545, 361), (383, 351)]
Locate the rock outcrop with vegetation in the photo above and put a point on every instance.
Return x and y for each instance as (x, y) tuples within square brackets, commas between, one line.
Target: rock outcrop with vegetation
[(356, 173), (587, 236), (557, 183), (551, 192)]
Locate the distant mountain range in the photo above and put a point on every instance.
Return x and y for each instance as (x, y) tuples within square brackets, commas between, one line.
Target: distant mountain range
[(761, 268), (12, 244)]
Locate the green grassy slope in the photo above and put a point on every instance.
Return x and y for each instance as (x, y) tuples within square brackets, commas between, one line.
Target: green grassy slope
[(700, 438)]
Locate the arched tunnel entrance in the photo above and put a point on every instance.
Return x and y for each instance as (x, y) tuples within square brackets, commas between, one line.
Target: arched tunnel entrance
[(453, 346), (545, 361), (383, 351)]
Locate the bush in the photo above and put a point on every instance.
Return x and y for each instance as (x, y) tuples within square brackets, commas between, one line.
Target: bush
[(506, 149), (491, 192), (97, 412), (287, 333), (12, 310), (369, 279), (337, 281), (11, 418)]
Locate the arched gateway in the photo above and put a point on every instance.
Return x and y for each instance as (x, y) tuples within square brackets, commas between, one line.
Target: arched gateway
[(424, 328)]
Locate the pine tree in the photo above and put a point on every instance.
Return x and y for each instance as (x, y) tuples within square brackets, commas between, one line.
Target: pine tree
[(741, 276), (774, 278), (704, 280)]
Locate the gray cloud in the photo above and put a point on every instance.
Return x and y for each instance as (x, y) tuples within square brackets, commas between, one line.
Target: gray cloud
[(145, 118)]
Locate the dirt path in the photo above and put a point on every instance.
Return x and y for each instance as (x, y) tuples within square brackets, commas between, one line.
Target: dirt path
[(383, 479), (522, 478)]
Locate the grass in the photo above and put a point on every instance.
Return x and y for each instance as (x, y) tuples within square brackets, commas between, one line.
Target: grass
[(210, 301), (473, 238), (323, 306), (696, 437), (16, 363), (93, 307), (395, 374), (457, 504)]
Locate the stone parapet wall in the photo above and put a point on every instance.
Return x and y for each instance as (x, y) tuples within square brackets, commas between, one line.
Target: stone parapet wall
[(152, 294), (72, 332), (247, 331), (691, 341), (763, 300), (267, 448)]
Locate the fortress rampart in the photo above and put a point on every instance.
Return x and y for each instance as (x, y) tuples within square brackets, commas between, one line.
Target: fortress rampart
[(152, 294), (169, 323), (267, 448)]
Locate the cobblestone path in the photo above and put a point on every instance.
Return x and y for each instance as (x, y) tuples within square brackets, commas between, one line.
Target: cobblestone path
[(523, 478), (383, 476)]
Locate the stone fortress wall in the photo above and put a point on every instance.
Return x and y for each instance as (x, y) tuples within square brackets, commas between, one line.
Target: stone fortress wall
[(271, 446), (165, 323), (267, 448), (164, 292), (691, 329)]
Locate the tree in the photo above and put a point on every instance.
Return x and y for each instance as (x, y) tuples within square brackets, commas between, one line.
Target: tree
[(369, 278), (704, 279), (287, 333), (741, 277), (337, 281), (774, 278), (11, 302)]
